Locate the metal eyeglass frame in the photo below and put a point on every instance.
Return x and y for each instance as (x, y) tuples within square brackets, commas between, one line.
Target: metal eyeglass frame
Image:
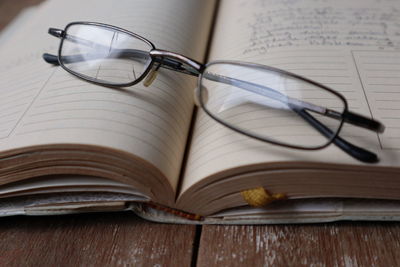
[(180, 63)]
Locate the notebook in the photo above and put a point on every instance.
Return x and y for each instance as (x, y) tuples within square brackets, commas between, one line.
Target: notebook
[(70, 146)]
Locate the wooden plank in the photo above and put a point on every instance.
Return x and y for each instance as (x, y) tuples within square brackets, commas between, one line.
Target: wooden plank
[(93, 240), (338, 244)]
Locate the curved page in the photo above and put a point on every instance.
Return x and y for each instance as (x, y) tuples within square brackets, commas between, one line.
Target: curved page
[(350, 46), (42, 105)]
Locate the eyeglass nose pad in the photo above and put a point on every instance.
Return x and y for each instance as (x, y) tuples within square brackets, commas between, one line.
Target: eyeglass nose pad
[(203, 96), (151, 76)]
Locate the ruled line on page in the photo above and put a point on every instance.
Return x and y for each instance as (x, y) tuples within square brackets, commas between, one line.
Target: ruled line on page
[(382, 89), (18, 95)]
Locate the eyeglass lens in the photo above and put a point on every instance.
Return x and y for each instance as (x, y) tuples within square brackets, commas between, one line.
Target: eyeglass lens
[(104, 54), (271, 105)]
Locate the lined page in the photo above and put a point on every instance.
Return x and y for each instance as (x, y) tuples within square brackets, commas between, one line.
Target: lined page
[(352, 47), (42, 105)]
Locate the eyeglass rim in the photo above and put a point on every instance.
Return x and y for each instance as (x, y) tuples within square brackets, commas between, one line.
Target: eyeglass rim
[(107, 26), (279, 71), (199, 82)]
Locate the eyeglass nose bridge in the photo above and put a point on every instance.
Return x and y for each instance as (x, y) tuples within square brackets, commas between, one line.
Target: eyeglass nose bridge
[(172, 61), (177, 61)]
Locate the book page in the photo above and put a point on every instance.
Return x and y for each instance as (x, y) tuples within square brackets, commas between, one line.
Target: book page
[(44, 105), (352, 47)]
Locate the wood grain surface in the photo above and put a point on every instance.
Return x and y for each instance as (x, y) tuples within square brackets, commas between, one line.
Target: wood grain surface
[(338, 244), (123, 239), (105, 239)]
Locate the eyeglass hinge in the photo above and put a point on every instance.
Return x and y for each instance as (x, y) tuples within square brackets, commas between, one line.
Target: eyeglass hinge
[(56, 32)]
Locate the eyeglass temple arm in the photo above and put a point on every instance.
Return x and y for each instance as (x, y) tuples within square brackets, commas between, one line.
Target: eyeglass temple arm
[(354, 151), (347, 116)]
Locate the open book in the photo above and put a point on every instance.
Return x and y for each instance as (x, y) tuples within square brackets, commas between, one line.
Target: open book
[(70, 146)]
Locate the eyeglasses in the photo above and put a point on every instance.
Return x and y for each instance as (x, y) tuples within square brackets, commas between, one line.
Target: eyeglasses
[(261, 102)]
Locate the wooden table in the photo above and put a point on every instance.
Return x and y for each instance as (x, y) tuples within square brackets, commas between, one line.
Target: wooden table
[(124, 239)]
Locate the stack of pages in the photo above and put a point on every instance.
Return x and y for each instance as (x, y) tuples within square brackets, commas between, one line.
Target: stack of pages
[(69, 146)]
